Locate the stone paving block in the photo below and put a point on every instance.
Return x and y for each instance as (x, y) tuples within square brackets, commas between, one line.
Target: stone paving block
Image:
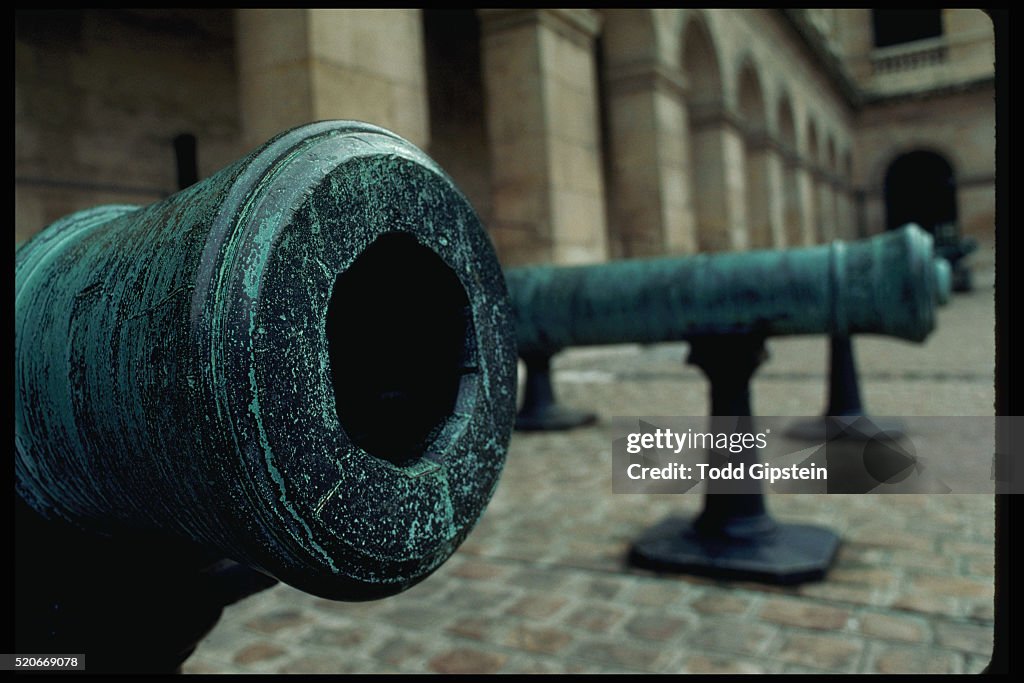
[(660, 593), (984, 567), (594, 617), (257, 653), (478, 597), (804, 614), (536, 606), (983, 610), (468, 661), (855, 553), (341, 637), (616, 653), (278, 620), (925, 603), (703, 664), (537, 638), (599, 588), (544, 579), (531, 664), (967, 549), (398, 650), (719, 603), (900, 659), (317, 663), (915, 559), (482, 570), (953, 586), (889, 627), (972, 638), (887, 537), (830, 652), (844, 593), (656, 626), (416, 617), (733, 634), (477, 627), (864, 576)]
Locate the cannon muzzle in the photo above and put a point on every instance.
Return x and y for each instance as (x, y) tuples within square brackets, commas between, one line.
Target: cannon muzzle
[(305, 362)]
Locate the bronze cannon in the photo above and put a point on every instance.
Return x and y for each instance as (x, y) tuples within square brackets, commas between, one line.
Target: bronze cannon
[(304, 363)]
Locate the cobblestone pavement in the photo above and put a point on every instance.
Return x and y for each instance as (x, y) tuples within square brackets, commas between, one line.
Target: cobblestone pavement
[(541, 584)]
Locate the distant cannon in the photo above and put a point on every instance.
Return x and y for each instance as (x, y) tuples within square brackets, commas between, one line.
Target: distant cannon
[(725, 306), (302, 368), (889, 284)]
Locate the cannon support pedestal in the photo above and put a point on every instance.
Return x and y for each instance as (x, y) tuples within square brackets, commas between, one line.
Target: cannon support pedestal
[(844, 417), (541, 411), (735, 537)]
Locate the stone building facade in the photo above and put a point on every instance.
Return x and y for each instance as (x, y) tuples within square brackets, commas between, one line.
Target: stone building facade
[(579, 135)]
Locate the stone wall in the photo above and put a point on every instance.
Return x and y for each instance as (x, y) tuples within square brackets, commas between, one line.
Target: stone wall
[(99, 96), (579, 135)]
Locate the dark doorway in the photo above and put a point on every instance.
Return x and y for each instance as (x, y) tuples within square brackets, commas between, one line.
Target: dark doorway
[(920, 188)]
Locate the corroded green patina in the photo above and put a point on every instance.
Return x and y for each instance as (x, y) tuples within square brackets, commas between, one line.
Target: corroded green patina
[(183, 366), (887, 285)]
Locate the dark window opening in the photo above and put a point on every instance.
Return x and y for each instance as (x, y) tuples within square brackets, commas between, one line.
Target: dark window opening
[(896, 26)]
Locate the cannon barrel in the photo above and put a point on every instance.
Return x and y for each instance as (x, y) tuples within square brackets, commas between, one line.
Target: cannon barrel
[(304, 362), (888, 284)]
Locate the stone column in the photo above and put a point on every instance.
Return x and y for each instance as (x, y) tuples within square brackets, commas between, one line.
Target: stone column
[(792, 220), (302, 65), (719, 182), (808, 205), (651, 212), (776, 197), (825, 216), (765, 195), (842, 205), (542, 115), (829, 225)]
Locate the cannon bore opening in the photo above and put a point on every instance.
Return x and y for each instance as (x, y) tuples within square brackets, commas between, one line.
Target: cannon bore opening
[(400, 340)]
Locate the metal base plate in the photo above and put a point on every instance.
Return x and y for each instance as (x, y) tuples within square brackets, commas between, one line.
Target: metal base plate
[(850, 427), (792, 554), (555, 418)]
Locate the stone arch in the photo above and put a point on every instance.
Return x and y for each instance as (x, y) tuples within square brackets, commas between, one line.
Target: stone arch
[(715, 211), (757, 186), (751, 98), (879, 166), (701, 63)]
